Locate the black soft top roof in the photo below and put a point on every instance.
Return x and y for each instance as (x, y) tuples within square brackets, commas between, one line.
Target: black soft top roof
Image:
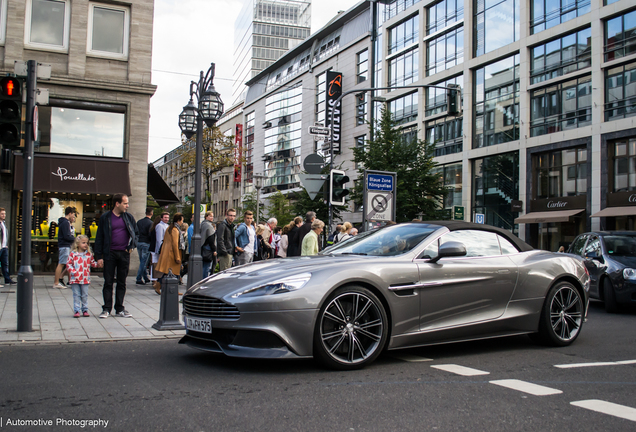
[(460, 225)]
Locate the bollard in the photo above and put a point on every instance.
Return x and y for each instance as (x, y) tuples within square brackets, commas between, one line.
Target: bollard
[(169, 306)]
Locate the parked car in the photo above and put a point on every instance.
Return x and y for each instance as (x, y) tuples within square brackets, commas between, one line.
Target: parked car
[(610, 258), (401, 286)]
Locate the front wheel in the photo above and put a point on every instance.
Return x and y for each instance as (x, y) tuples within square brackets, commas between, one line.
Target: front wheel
[(351, 329), (562, 315)]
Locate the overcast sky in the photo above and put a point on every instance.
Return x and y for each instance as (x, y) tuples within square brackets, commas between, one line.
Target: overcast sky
[(188, 36)]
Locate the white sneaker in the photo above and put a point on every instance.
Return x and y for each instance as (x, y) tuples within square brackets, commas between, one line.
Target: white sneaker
[(59, 286), (104, 314)]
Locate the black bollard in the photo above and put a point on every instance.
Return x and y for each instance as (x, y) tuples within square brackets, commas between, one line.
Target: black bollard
[(169, 306)]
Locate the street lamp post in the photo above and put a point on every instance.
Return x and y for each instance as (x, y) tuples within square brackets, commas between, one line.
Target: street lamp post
[(258, 184), (209, 109)]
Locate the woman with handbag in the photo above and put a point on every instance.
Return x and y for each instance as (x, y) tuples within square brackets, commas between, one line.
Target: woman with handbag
[(208, 244), (170, 256)]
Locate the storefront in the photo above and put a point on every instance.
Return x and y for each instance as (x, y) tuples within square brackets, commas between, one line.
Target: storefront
[(620, 213)]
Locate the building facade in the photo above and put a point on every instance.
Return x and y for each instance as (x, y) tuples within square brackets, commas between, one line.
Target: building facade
[(92, 139), (546, 141)]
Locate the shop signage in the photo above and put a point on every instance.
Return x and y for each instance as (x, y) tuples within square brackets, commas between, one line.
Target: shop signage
[(516, 206), (458, 213), (559, 203), (238, 151), (62, 174), (334, 91), (621, 199)]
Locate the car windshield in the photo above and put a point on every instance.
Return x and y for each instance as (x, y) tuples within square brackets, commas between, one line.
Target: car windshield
[(620, 245), (387, 241)]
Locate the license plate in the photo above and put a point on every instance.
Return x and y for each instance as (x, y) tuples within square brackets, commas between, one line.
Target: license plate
[(202, 325)]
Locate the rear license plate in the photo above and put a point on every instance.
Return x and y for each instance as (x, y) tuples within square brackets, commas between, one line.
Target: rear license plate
[(202, 325)]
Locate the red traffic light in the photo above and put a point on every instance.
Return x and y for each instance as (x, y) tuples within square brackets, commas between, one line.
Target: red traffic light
[(10, 87)]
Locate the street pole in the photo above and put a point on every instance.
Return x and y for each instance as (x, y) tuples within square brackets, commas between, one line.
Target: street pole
[(195, 267), (25, 273), (258, 203)]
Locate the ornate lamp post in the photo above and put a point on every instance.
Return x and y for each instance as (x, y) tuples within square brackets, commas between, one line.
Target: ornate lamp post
[(209, 109), (258, 184)]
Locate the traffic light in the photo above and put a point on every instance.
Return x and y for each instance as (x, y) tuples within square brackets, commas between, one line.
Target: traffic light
[(10, 111), (337, 191), (453, 99)]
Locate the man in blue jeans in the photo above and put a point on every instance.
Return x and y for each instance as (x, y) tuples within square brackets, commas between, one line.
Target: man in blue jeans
[(143, 246)]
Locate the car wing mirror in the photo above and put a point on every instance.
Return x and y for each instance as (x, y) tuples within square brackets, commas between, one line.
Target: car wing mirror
[(450, 249)]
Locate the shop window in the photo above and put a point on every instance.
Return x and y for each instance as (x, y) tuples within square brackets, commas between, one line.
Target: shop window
[(560, 173), (47, 24), (561, 56), (496, 24), (545, 14), (620, 92), (619, 36), (108, 30)]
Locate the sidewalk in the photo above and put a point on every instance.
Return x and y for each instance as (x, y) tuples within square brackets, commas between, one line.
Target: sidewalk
[(53, 320)]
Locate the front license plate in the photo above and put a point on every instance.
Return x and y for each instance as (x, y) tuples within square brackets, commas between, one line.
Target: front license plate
[(202, 325)]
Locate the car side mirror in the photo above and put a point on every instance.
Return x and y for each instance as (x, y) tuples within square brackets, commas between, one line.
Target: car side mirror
[(450, 249)]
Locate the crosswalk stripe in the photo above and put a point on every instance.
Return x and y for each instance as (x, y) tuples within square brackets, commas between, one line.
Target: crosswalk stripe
[(460, 370), (412, 358), (609, 408), (526, 387), (592, 364)]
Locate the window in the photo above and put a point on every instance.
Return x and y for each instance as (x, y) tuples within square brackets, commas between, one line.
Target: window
[(620, 39), (215, 185), (445, 51), (451, 179), (436, 97), (403, 70), (561, 56), (623, 154), (577, 245), (3, 21), (248, 148), (446, 133), (560, 173), (108, 30), (496, 90), (443, 14), (360, 143), (496, 24), (561, 107), (321, 91), (593, 247), (362, 68), (620, 92), (404, 109), (404, 34), (545, 14), (397, 6), (47, 24), (361, 109), (478, 243)]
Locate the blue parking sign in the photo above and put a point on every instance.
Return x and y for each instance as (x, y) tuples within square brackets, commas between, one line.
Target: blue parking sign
[(479, 218)]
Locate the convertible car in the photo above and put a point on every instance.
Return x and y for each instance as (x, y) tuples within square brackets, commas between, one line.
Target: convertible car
[(405, 285)]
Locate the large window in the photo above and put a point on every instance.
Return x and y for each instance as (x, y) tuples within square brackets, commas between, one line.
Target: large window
[(620, 92), (403, 69), (545, 14), (446, 134), (108, 30), (495, 185), (436, 96), (496, 113), (561, 173), (442, 14), (562, 106), (561, 56), (321, 91), (445, 51), (362, 66), (451, 178), (496, 24), (81, 132), (404, 34), (47, 24), (248, 147), (404, 109), (623, 153), (398, 6), (620, 36)]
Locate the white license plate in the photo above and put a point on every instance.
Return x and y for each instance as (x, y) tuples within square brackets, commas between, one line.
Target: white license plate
[(202, 325)]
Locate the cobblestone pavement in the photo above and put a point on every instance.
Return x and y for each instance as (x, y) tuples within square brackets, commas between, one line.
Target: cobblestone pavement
[(53, 320)]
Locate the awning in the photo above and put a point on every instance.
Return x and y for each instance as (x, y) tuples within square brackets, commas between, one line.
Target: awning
[(549, 216), (158, 188), (616, 211)]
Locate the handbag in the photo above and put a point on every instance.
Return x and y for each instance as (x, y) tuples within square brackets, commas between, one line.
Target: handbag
[(206, 254)]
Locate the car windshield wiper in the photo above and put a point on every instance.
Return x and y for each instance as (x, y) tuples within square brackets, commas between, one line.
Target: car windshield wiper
[(352, 253)]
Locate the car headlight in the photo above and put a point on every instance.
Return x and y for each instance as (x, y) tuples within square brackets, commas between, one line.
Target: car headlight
[(629, 274), (279, 286)]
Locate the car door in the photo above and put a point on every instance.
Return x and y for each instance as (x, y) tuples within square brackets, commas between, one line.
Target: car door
[(461, 290)]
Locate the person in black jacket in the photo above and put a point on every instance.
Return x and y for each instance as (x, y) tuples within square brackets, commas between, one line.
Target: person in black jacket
[(65, 238), (143, 246), (116, 237), (292, 238), (225, 240), (208, 246), (310, 217)]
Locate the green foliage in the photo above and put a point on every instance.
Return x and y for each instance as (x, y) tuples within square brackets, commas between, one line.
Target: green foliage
[(280, 208), (249, 203), (419, 188)]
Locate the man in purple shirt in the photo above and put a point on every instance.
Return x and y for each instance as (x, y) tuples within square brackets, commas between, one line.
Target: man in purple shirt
[(116, 238)]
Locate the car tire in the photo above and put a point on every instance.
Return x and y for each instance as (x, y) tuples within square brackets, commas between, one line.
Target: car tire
[(562, 316), (609, 296), (351, 329)]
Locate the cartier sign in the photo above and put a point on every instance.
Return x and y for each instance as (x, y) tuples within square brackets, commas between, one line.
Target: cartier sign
[(556, 204), (560, 203), (621, 199)]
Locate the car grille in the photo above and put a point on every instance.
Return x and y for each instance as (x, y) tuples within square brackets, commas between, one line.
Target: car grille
[(209, 307)]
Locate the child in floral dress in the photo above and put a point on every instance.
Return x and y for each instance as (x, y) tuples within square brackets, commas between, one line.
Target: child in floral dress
[(80, 261)]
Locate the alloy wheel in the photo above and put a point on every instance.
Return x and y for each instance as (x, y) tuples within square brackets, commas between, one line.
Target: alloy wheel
[(566, 313)]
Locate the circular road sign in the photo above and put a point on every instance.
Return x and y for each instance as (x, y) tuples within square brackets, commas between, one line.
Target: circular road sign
[(313, 163), (379, 203)]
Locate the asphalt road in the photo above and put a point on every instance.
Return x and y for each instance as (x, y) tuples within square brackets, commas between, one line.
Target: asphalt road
[(159, 385)]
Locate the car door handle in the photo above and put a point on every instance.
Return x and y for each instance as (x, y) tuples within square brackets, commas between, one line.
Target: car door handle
[(504, 271)]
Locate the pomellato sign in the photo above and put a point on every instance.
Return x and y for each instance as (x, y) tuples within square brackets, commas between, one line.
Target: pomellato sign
[(62, 174)]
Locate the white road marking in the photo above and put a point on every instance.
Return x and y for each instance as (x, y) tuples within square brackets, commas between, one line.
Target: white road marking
[(609, 408), (578, 365), (412, 358), (460, 370), (526, 387)]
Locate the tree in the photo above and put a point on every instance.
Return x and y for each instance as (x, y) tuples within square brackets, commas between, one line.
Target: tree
[(249, 203), (281, 208), (419, 188), (218, 153)]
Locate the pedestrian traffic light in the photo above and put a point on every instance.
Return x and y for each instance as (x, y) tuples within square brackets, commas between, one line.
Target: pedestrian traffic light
[(453, 99), (337, 190), (10, 111)]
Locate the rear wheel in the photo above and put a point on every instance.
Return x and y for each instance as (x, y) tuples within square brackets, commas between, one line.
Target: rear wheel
[(562, 315), (351, 329), (609, 296)]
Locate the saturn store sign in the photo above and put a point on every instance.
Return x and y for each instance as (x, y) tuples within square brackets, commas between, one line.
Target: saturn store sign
[(334, 91)]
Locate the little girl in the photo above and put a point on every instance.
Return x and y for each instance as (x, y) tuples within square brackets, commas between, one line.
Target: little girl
[(80, 260)]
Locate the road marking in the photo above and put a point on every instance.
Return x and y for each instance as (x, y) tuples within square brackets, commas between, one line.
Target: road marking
[(609, 408), (526, 387), (578, 365), (412, 358), (460, 370)]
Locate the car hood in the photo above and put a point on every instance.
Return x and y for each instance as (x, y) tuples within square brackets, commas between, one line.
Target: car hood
[(625, 261)]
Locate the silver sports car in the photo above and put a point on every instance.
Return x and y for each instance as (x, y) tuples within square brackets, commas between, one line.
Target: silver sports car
[(402, 286)]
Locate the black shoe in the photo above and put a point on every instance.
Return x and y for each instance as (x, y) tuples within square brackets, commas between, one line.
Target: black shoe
[(140, 283), (62, 283)]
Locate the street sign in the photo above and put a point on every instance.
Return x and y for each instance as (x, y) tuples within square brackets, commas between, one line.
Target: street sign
[(313, 163), (312, 183), (319, 130), (380, 182), (458, 213), (479, 218), (202, 209), (380, 206)]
